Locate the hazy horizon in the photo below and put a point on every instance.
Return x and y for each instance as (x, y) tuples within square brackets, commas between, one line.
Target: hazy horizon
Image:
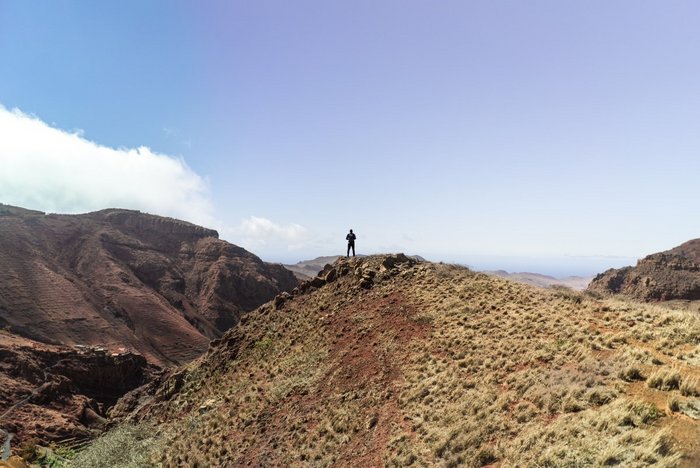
[(558, 267)]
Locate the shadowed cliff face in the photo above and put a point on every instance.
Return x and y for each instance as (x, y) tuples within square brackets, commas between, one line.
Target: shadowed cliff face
[(124, 279), (674, 274)]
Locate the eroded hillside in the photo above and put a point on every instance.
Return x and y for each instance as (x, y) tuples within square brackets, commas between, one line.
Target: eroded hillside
[(123, 279), (89, 304), (384, 361)]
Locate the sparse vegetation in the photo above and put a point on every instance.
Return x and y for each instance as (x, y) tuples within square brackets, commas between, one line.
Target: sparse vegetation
[(631, 373), (436, 365), (125, 446), (674, 403), (690, 387), (664, 379)]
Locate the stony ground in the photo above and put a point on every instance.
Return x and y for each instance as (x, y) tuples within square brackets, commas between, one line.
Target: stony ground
[(385, 362)]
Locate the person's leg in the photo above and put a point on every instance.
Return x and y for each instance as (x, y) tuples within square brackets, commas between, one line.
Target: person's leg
[(348, 254), (353, 249)]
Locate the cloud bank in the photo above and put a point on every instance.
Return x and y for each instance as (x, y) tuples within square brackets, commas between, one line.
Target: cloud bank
[(45, 168), (257, 232)]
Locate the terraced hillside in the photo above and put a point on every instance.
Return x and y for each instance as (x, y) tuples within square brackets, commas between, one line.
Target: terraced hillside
[(385, 361), (126, 280)]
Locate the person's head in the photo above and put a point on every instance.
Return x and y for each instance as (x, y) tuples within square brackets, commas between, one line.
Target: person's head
[(350, 230)]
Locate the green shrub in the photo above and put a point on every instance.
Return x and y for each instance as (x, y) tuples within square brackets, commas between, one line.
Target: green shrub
[(125, 446)]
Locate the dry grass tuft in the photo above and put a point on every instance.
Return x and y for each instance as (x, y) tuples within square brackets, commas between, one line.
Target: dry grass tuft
[(690, 387), (125, 446), (664, 379)]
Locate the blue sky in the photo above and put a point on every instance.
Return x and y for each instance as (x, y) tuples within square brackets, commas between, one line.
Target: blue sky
[(458, 130)]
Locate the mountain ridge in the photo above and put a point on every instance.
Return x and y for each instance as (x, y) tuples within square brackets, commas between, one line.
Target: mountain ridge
[(382, 360)]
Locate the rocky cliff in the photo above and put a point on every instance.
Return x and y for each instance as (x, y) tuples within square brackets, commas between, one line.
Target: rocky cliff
[(123, 279), (674, 274)]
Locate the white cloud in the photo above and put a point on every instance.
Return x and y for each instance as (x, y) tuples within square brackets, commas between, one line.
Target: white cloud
[(256, 232), (49, 169)]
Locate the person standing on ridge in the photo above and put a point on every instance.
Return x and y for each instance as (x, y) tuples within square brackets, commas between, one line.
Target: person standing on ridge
[(351, 242)]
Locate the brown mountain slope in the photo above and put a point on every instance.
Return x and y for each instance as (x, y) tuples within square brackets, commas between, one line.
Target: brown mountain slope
[(125, 279), (382, 361), (674, 274)]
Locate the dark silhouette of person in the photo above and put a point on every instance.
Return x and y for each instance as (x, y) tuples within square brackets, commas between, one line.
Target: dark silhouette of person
[(351, 242)]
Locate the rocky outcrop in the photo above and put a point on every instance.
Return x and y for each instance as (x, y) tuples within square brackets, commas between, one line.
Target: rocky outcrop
[(674, 274), (123, 279), (307, 269), (365, 268)]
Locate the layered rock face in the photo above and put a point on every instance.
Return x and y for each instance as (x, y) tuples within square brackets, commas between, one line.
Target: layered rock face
[(126, 280), (674, 274)]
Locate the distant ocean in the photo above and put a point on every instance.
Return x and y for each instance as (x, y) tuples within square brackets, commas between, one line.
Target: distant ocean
[(559, 267)]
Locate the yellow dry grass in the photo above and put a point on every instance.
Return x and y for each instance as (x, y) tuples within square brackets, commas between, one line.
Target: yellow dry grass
[(437, 365)]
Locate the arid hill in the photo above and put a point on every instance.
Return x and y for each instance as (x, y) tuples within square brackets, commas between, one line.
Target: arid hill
[(674, 274), (126, 280), (384, 361), (577, 283)]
